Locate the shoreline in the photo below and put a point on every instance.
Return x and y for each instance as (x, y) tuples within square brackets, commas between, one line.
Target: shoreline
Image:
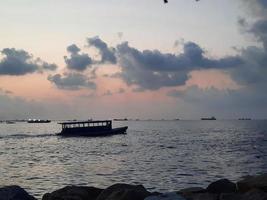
[(248, 188)]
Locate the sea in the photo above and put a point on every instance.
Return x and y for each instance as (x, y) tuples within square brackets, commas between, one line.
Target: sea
[(160, 155)]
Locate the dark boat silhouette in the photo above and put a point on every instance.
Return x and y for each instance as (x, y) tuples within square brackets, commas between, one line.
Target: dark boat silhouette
[(38, 121), (208, 118), (244, 119), (118, 119), (90, 128)]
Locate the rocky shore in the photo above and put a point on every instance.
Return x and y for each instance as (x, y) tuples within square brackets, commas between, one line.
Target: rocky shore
[(249, 188)]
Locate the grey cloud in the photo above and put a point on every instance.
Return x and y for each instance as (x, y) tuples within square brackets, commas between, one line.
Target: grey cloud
[(20, 62), (77, 61), (120, 35), (73, 49), (258, 26), (71, 81), (107, 53), (259, 29), (107, 93), (153, 69), (254, 69), (247, 101), (121, 90)]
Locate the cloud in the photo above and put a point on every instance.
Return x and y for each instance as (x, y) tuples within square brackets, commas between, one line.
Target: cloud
[(257, 26), (107, 93), (77, 61), (121, 91), (153, 69), (107, 53), (71, 81), (254, 68), (242, 102), (120, 35), (19, 62)]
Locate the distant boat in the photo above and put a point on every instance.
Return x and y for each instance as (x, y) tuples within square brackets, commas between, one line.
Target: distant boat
[(125, 119), (10, 122), (38, 121), (244, 119), (208, 118), (90, 128)]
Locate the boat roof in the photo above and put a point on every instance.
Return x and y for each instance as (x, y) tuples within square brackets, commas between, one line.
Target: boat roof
[(85, 122)]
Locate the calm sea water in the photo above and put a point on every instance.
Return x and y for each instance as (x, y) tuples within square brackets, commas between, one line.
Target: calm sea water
[(161, 155)]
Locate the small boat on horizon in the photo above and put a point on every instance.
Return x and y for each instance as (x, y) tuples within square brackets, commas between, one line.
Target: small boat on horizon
[(90, 128), (244, 119), (38, 121), (119, 119), (10, 122), (208, 118)]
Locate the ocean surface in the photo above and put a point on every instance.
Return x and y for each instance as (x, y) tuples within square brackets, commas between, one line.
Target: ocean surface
[(161, 155)]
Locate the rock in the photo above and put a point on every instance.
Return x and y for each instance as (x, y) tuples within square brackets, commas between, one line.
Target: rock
[(201, 196), (166, 196), (124, 192), (253, 182), (250, 195), (255, 195), (222, 186), (14, 193), (192, 190), (74, 193), (231, 196)]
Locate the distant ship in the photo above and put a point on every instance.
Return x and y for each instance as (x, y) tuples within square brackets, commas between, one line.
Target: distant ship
[(10, 122), (38, 121), (125, 119), (244, 119), (208, 118)]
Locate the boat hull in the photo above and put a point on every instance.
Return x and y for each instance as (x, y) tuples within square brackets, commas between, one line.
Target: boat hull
[(89, 133)]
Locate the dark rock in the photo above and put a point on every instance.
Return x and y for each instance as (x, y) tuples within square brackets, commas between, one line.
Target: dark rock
[(231, 196), (74, 193), (124, 192), (255, 195), (166, 196), (222, 186), (14, 193), (253, 182), (192, 190), (250, 195), (200, 196)]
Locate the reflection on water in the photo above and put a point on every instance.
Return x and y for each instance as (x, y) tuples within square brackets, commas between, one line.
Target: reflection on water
[(161, 155)]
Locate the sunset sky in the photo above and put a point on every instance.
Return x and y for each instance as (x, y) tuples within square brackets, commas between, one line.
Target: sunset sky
[(145, 59)]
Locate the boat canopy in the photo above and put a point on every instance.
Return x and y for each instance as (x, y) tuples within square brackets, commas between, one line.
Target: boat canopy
[(80, 124)]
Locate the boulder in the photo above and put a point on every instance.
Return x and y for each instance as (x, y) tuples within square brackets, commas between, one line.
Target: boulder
[(250, 195), (14, 193), (253, 182), (201, 196), (166, 196), (192, 190), (255, 194), (124, 192), (222, 186), (74, 193)]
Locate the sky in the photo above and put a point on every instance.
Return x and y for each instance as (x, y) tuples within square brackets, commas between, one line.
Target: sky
[(109, 59)]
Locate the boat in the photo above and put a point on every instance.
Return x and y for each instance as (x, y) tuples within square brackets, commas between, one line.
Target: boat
[(90, 128), (244, 119), (10, 122), (119, 119), (38, 121), (208, 118)]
